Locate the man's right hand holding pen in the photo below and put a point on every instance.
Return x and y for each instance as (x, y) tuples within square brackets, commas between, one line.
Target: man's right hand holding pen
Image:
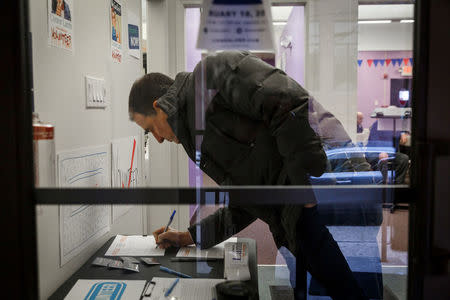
[(172, 237)]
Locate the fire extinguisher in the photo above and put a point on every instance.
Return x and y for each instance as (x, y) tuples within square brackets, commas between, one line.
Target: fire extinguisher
[(44, 153)]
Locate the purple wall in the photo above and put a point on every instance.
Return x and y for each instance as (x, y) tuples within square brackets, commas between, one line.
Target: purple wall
[(295, 56), (371, 84), (192, 24), (193, 56)]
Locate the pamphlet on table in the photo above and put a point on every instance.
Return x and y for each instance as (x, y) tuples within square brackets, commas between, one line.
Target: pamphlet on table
[(106, 289), (134, 245)]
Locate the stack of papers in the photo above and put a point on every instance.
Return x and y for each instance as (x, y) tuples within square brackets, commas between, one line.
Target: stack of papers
[(134, 245)]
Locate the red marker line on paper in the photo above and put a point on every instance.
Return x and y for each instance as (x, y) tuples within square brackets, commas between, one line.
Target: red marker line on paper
[(132, 158)]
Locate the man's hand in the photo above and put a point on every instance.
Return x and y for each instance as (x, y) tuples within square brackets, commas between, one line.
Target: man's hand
[(404, 137), (383, 156), (172, 237)]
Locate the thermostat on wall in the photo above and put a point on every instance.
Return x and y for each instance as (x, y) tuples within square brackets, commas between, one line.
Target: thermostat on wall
[(95, 92)]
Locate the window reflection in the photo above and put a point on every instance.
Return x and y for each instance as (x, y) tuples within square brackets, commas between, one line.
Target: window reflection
[(331, 67)]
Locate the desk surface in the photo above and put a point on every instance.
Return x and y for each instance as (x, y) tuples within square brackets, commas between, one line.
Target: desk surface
[(212, 269)]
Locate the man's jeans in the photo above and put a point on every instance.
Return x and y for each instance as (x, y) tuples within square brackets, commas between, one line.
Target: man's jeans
[(320, 255)]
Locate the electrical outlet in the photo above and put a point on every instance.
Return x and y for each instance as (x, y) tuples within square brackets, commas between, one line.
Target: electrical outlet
[(95, 92)]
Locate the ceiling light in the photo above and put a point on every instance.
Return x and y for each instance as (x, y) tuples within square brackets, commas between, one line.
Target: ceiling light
[(279, 23), (406, 21), (374, 21)]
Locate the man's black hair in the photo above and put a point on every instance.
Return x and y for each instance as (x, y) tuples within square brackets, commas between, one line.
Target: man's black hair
[(146, 90)]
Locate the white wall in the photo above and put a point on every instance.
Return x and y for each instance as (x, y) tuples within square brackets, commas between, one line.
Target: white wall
[(168, 161), (331, 54), (386, 11), (163, 159), (60, 100), (385, 37)]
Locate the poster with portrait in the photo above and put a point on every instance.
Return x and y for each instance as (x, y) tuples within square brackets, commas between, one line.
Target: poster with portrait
[(60, 24), (116, 31)]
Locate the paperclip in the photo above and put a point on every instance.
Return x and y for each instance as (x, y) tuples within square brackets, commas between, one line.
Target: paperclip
[(149, 293), (145, 292)]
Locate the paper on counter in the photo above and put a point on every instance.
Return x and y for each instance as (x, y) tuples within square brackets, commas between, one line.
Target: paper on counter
[(213, 252), (104, 289), (186, 289), (134, 245)]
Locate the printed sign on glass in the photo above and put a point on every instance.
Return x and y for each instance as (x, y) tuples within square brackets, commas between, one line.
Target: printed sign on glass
[(238, 24)]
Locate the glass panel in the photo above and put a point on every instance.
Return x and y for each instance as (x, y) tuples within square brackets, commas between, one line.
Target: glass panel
[(359, 226), (240, 120), (315, 45)]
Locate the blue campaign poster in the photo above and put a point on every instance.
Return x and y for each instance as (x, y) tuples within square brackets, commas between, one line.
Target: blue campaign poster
[(133, 36)]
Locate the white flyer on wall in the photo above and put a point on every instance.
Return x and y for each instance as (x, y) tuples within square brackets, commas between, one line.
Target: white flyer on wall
[(125, 169), (116, 31), (60, 24), (236, 24), (85, 167), (80, 225)]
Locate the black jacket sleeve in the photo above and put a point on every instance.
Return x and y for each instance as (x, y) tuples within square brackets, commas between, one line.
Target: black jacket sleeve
[(257, 90), (219, 226)]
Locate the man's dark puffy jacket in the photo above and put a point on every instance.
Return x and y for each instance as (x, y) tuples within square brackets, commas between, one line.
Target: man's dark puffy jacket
[(255, 132)]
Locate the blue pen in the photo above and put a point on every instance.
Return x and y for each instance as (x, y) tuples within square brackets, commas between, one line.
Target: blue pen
[(170, 271), (168, 224), (171, 287)]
